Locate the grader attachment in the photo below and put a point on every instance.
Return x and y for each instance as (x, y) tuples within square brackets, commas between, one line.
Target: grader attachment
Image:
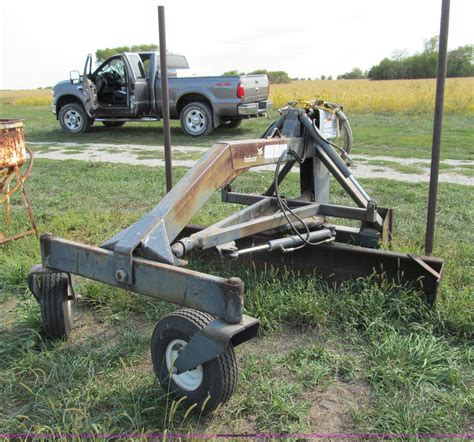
[(192, 349)]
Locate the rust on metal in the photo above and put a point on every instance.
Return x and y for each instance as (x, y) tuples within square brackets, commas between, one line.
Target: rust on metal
[(12, 145), (13, 155)]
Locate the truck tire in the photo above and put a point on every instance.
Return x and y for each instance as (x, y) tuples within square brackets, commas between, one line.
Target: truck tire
[(196, 119), (113, 123), (74, 119), (230, 123)]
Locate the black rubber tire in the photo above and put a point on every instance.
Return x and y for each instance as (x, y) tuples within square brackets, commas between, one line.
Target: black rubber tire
[(113, 123), (205, 110), (219, 374), (230, 123), (85, 120), (55, 305)]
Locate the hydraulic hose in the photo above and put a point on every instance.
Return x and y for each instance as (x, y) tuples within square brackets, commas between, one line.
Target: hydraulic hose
[(324, 145), (346, 127)]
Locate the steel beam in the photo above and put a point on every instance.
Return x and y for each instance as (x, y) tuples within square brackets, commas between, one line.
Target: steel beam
[(355, 213), (218, 296), (216, 237)]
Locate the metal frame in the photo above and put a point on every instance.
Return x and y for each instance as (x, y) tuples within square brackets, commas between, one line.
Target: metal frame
[(147, 256)]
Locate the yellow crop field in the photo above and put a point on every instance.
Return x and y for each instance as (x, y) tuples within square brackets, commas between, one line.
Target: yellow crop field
[(410, 96), (26, 97)]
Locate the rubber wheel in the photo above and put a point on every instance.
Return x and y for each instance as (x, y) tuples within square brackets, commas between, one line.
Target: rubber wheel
[(196, 119), (113, 123), (56, 306), (230, 123), (208, 385), (74, 119)]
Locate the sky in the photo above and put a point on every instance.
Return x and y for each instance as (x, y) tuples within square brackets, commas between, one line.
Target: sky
[(42, 40)]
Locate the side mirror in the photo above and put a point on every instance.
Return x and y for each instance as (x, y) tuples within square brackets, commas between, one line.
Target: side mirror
[(74, 76)]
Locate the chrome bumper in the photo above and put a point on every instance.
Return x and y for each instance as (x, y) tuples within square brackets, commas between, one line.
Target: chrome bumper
[(254, 108), (53, 109)]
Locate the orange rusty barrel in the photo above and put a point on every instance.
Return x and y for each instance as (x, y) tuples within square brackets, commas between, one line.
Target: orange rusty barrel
[(12, 145)]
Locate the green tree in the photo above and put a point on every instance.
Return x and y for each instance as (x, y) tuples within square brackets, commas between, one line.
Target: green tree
[(431, 44), (355, 74), (232, 73), (424, 64), (461, 62), (102, 54), (275, 77)]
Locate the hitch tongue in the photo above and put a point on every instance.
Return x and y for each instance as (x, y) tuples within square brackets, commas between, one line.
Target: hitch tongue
[(288, 243)]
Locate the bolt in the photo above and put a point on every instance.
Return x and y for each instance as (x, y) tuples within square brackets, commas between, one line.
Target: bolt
[(121, 275)]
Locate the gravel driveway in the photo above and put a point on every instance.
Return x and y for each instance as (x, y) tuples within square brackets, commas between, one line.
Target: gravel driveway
[(413, 170)]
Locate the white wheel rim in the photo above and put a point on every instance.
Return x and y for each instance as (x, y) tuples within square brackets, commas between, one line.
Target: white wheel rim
[(189, 380), (195, 121), (73, 120)]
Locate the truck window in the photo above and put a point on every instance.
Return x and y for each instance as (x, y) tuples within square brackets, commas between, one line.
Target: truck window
[(116, 65), (137, 66), (147, 64)]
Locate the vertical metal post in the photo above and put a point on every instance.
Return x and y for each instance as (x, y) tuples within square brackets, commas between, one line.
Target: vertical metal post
[(437, 127), (165, 98)]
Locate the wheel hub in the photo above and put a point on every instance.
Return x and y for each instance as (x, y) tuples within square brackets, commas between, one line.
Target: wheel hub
[(189, 380), (72, 120), (195, 121)]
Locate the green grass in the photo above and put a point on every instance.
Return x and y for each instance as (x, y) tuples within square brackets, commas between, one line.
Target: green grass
[(395, 134), (410, 136), (402, 366)]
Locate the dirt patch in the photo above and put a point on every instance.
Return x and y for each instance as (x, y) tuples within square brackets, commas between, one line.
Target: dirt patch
[(416, 169), (6, 310), (332, 409), (87, 325), (285, 341)]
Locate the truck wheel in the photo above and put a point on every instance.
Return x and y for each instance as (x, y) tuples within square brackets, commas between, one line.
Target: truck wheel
[(196, 119), (230, 123), (55, 305), (74, 119), (209, 384), (113, 123)]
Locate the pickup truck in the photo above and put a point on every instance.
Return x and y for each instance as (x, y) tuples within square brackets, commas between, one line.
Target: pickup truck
[(127, 87)]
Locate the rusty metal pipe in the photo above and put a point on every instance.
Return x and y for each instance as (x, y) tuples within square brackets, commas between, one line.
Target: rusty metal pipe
[(165, 104), (437, 127)]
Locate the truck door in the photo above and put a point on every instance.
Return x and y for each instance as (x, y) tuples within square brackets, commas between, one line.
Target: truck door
[(138, 87), (89, 90)]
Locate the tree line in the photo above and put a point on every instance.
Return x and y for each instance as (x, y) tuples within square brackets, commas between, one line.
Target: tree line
[(399, 66), (420, 65), (102, 54), (275, 77)]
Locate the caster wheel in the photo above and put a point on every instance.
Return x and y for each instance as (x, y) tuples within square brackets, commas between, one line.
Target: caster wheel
[(209, 384), (56, 305)]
